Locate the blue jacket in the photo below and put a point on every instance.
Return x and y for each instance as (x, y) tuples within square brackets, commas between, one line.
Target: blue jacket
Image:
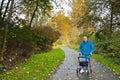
[(86, 48)]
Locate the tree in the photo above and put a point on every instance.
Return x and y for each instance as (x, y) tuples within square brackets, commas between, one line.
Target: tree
[(7, 17), (105, 15), (105, 12), (6, 9), (63, 24), (6, 26), (1, 6), (80, 15), (38, 7)]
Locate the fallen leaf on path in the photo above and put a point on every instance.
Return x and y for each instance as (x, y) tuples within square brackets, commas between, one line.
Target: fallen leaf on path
[(101, 75), (70, 78)]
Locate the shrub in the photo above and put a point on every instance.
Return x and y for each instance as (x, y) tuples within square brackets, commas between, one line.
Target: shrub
[(44, 37), (115, 48), (20, 40), (1, 67), (109, 46)]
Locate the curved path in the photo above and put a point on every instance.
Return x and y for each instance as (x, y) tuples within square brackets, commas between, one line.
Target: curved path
[(67, 70)]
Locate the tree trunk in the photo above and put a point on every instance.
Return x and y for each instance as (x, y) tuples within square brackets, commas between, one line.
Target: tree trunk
[(6, 9), (3, 46), (6, 27), (111, 18), (1, 8), (4, 40), (33, 15), (10, 11)]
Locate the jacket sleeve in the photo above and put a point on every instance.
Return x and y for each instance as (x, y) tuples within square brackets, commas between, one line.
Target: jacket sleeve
[(92, 48), (80, 48)]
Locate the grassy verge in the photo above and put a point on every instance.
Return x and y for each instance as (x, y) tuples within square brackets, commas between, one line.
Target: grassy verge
[(76, 49), (38, 67), (107, 62)]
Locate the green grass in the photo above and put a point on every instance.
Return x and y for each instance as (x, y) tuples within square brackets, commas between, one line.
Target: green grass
[(107, 62), (76, 49), (38, 67)]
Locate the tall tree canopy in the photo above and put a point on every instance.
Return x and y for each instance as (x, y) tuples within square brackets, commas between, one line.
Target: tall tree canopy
[(63, 25), (105, 13), (80, 15)]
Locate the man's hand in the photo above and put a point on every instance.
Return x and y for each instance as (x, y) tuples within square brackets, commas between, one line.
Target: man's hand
[(80, 54), (90, 54)]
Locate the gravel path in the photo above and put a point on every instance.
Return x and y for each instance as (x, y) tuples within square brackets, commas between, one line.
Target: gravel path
[(67, 70)]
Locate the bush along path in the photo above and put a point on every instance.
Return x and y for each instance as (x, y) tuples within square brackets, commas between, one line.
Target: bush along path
[(67, 70), (38, 67)]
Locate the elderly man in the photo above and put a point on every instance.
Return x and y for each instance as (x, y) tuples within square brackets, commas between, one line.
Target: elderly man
[(86, 49)]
